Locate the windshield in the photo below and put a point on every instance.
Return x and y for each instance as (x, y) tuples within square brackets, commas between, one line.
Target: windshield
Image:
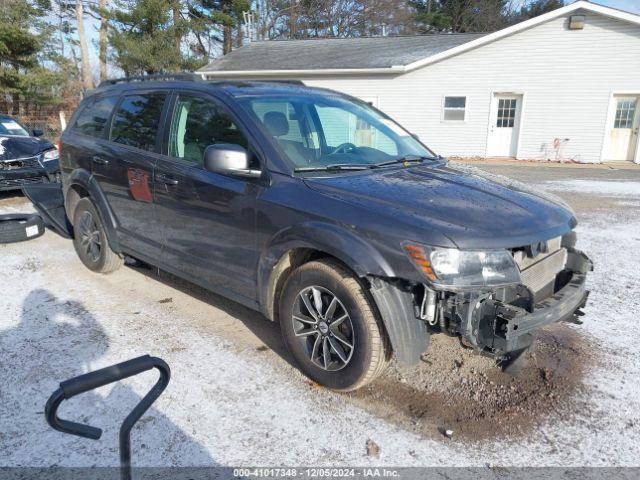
[(8, 126), (315, 131)]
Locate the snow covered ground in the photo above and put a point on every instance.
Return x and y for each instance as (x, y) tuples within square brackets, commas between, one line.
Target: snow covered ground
[(616, 188), (233, 402)]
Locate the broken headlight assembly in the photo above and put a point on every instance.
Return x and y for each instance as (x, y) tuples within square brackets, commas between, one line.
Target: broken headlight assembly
[(50, 155), (454, 269)]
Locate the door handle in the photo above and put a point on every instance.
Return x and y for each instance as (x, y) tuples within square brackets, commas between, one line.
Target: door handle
[(166, 179), (100, 161)]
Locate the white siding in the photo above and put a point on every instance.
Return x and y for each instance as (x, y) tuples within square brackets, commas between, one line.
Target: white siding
[(567, 78)]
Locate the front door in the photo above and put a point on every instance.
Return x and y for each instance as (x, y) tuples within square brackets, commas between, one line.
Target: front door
[(504, 125), (207, 219), (622, 137)]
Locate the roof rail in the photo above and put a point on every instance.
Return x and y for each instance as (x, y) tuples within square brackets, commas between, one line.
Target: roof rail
[(194, 77), (285, 80)]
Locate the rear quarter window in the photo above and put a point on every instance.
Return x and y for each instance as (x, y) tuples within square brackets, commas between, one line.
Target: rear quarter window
[(93, 118), (137, 120)]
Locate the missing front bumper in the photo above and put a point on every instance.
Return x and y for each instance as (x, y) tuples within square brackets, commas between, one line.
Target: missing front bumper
[(500, 324), (504, 330)]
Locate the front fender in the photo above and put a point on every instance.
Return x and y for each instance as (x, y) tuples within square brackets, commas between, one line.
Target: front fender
[(87, 182), (408, 335), (355, 252)]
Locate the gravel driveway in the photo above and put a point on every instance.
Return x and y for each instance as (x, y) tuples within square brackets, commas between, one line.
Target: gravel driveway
[(235, 399)]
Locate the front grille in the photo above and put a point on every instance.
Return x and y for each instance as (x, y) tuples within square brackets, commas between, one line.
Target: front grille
[(19, 182), (540, 270), (17, 164)]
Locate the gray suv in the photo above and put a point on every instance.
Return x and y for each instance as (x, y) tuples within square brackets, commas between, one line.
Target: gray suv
[(319, 211)]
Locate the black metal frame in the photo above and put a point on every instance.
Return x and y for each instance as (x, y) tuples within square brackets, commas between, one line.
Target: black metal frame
[(99, 378), (180, 77), (193, 77)]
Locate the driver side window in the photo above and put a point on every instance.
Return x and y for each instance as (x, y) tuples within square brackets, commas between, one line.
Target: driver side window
[(341, 126), (197, 123)]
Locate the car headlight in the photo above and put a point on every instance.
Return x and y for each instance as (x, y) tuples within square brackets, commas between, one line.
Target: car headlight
[(463, 269), (50, 155)]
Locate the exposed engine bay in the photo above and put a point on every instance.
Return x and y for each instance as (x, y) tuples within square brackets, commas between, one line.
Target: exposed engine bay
[(501, 322)]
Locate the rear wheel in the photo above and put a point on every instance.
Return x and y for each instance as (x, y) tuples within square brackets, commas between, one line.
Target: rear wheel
[(90, 240), (331, 328)]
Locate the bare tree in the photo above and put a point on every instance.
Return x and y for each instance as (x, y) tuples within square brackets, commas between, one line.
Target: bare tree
[(87, 80), (102, 38)]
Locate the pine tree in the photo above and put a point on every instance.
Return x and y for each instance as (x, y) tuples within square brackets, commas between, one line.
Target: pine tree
[(538, 7), (223, 16), (28, 70), (143, 37)]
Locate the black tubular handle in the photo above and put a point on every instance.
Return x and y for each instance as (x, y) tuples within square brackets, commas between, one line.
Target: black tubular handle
[(105, 376), (99, 378)]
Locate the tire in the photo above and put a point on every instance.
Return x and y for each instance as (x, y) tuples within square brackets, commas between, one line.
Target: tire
[(20, 227), (307, 335), (90, 240)]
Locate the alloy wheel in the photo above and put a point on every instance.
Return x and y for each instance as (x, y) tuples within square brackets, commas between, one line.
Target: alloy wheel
[(323, 326), (90, 237)]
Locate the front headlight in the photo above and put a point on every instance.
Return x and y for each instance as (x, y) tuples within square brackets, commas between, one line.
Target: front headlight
[(463, 269), (50, 155)]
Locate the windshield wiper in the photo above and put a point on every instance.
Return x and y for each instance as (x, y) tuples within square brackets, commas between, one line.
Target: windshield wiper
[(335, 167), (405, 159)]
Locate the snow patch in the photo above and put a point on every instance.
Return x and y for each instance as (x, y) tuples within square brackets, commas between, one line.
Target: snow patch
[(598, 187)]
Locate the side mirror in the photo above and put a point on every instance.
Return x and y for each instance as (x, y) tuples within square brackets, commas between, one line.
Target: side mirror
[(37, 132), (229, 159)]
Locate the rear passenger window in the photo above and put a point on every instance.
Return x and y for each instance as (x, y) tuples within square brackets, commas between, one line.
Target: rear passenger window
[(94, 117), (137, 119)]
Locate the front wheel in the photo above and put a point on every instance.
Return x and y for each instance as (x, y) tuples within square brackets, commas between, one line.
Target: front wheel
[(331, 328)]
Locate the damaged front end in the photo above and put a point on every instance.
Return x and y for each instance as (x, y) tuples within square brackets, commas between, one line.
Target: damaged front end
[(19, 172), (533, 286)]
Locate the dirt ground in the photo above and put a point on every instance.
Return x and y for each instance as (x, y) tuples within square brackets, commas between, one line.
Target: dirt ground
[(549, 414)]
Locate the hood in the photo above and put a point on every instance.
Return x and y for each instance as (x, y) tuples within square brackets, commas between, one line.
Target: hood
[(13, 147), (472, 211)]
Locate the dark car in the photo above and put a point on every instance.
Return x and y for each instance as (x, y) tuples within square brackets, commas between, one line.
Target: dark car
[(322, 213), (24, 157)]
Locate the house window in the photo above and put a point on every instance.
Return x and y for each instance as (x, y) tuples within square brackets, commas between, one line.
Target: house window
[(454, 109), (625, 112), (506, 112)]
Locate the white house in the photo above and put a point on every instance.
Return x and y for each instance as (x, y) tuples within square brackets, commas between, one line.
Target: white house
[(561, 86)]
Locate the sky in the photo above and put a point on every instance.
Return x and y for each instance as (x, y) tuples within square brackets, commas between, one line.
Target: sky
[(629, 5)]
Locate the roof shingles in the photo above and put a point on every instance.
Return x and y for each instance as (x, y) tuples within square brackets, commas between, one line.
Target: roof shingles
[(337, 53)]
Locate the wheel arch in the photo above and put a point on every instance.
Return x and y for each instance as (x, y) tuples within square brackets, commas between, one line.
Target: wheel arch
[(82, 184), (298, 245)]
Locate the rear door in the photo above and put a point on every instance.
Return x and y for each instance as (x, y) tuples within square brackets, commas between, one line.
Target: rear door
[(87, 135), (207, 219), (124, 169)]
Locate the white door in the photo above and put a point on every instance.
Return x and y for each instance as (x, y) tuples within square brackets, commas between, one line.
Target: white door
[(504, 125), (622, 137)]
